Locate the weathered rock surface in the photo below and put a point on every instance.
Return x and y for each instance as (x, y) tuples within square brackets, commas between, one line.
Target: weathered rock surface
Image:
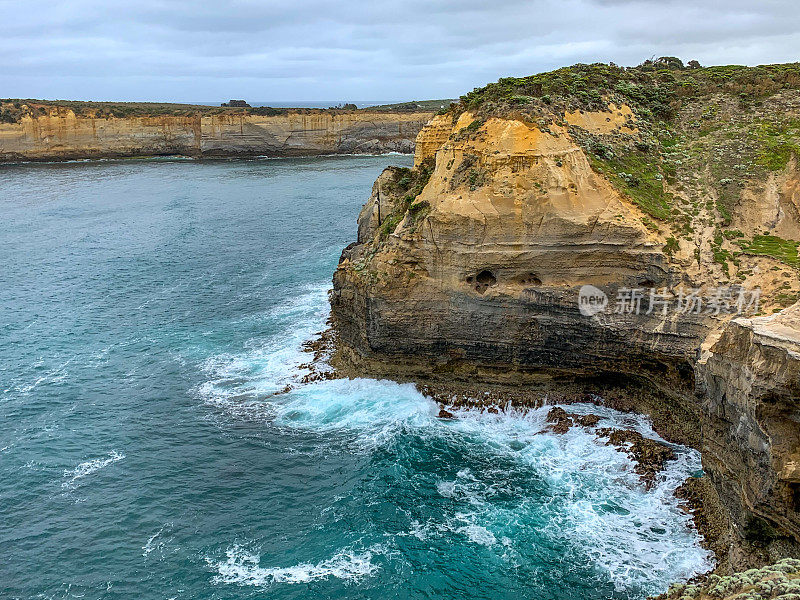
[(487, 277), (61, 134), (750, 376), (473, 278), (649, 455)]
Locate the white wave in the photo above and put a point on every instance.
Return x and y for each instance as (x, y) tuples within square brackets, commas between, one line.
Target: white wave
[(268, 366), (640, 538), (156, 541), (246, 385), (243, 568), (355, 404), (89, 467), (478, 534), (596, 503)]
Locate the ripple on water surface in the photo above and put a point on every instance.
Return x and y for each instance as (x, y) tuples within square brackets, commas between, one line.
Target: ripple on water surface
[(155, 309)]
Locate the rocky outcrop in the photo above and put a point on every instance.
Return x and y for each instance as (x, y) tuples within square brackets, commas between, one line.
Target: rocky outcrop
[(750, 378), (61, 134), (483, 272), (563, 247)]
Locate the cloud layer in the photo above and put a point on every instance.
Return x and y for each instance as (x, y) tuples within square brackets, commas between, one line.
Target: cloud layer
[(205, 50)]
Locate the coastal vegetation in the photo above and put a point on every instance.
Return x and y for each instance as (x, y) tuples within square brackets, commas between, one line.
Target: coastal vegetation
[(770, 245), (655, 89), (404, 188), (779, 581), (12, 110), (415, 105), (678, 130)]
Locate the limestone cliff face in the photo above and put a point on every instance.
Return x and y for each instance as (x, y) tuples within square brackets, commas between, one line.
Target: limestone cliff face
[(432, 137), (61, 134), (468, 268), (483, 271), (750, 376)]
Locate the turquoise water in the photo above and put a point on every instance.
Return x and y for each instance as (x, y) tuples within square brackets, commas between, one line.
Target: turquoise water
[(150, 310)]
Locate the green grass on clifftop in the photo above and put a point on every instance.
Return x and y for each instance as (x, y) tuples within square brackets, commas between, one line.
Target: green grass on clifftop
[(654, 88)]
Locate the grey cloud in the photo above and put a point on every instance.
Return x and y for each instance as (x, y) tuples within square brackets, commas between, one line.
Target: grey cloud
[(195, 50)]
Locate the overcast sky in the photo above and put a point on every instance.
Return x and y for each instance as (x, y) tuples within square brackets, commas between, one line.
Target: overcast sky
[(261, 50)]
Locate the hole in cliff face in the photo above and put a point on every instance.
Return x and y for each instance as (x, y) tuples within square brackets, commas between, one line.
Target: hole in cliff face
[(686, 374), (484, 280), (527, 279), (794, 490), (486, 277), (647, 283)]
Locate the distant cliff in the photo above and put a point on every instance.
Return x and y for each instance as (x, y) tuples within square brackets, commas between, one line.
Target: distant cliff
[(51, 132)]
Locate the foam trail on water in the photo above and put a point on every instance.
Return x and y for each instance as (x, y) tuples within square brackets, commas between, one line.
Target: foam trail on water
[(243, 568), (359, 405), (156, 541), (89, 467), (268, 365)]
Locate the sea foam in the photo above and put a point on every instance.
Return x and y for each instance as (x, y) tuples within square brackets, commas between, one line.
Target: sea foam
[(590, 504), (243, 568), (90, 466)]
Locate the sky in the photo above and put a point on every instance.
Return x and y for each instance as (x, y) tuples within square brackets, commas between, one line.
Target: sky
[(262, 50)]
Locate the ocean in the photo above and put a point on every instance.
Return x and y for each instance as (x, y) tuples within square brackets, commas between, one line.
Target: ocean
[(151, 311)]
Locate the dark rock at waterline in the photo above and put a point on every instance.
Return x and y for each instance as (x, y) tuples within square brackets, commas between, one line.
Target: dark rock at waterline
[(651, 456), (560, 421), (587, 420)]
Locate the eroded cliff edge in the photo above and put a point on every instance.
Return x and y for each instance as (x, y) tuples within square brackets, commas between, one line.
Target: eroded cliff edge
[(50, 132), (468, 268)]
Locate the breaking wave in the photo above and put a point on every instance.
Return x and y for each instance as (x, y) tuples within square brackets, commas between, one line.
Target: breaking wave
[(508, 485)]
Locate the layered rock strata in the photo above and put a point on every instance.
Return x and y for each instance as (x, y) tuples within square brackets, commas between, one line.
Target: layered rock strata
[(60, 134), (469, 270), (749, 376)]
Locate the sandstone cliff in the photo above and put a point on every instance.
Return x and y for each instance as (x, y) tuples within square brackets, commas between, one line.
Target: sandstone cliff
[(750, 379), (58, 133), (657, 188)]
